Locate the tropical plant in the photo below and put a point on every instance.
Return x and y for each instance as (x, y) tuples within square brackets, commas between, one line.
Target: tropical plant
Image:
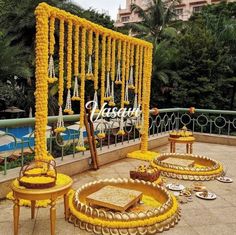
[(158, 26)]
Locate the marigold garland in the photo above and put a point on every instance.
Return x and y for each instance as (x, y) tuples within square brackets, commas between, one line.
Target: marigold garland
[(45, 12), (41, 93), (96, 61), (140, 76), (68, 107), (82, 91), (135, 106), (118, 73), (51, 71), (123, 73), (95, 97), (76, 64), (108, 68), (89, 75), (126, 99), (113, 65), (103, 68), (131, 74), (61, 63)]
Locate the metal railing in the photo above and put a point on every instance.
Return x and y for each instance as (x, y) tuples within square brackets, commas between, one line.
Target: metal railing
[(16, 149)]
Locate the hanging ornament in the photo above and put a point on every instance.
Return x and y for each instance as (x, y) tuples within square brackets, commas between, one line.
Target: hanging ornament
[(80, 146), (89, 75), (95, 98), (118, 75), (131, 78), (108, 88), (118, 72), (126, 99), (101, 134), (68, 107), (76, 64), (112, 102), (121, 130), (113, 64), (76, 90), (139, 122), (131, 74), (135, 106), (60, 122), (51, 71), (95, 102)]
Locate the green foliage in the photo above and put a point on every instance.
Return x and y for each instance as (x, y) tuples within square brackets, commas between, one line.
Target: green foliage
[(194, 62), (17, 42)]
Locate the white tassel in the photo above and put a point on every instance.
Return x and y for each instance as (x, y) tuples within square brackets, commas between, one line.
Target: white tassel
[(135, 102), (112, 100), (60, 122), (118, 74), (95, 101), (131, 78), (80, 146), (68, 107), (76, 89), (126, 98), (90, 68), (89, 75), (51, 71), (108, 88)]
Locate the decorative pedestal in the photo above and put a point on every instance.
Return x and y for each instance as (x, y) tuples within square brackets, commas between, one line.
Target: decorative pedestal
[(19, 193)]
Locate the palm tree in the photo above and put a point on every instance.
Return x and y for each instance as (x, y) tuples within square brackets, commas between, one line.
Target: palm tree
[(158, 26)]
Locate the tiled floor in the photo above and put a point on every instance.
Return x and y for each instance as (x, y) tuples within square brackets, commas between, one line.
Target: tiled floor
[(216, 217)]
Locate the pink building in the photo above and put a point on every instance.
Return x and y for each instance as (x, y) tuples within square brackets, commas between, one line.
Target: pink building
[(184, 10)]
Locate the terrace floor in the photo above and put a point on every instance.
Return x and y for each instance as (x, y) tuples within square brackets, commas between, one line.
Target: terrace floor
[(198, 217)]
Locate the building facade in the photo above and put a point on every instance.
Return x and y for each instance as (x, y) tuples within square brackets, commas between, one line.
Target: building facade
[(183, 11)]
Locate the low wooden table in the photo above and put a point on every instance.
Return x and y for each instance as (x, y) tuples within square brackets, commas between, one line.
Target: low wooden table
[(40, 194), (115, 198), (182, 140)]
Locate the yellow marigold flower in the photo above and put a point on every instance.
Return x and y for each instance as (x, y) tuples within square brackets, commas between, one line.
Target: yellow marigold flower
[(101, 135)]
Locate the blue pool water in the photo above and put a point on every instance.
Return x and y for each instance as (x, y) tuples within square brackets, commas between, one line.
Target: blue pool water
[(20, 132)]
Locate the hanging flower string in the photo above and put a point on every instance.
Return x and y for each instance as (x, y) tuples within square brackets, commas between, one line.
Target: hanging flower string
[(146, 98), (121, 130), (135, 106), (80, 145), (89, 75), (76, 64), (118, 72), (95, 98), (68, 107), (108, 87), (123, 74), (51, 70), (139, 90), (113, 64), (126, 99), (140, 76), (60, 123), (101, 134), (131, 75), (103, 68)]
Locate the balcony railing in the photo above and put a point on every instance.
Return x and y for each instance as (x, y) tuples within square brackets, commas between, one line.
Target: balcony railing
[(16, 148)]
